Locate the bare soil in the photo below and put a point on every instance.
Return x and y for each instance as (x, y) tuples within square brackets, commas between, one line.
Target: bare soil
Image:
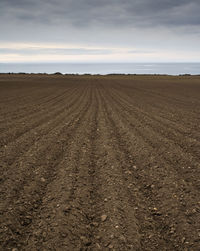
[(99, 162)]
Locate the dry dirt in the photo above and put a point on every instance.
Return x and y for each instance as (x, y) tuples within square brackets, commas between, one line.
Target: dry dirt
[(99, 163)]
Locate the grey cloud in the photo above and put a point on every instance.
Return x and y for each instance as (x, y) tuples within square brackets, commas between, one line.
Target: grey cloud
[(140, 51), (66, 51), (104, 12), (151, 25), (57, 51)]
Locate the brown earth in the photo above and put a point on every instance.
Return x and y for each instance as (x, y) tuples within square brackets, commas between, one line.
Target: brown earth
[(99, 163)]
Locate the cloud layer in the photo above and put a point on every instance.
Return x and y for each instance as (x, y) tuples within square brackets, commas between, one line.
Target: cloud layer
[(139, 25), (104, 12)]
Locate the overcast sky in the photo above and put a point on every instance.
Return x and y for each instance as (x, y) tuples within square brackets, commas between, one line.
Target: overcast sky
[(99, 30)]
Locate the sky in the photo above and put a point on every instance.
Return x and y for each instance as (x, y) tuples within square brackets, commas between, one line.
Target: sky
[(99, 31)]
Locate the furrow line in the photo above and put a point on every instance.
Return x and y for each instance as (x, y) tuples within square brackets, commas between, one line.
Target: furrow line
[(168, 124), (148, 169), (26, 120), (34, 189), (15, 157), (182, 155)]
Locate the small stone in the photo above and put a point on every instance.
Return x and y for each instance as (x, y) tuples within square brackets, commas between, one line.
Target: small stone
[(43, 179), (66, 209), (130, 246), (183, 240), (122, 238), (110, 246), (172, 230), (44, 234), (85, 240), (64, 235), (98, 246), (104, 217), (95, 224)]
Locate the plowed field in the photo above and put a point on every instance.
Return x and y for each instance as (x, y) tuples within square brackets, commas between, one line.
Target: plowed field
[(99, 162)]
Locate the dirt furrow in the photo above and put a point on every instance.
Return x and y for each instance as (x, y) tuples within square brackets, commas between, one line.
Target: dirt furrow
[(73, 210), (34, 187), (184, 155), (24, 161), (34, 99), (10, 154), (29, 110), (164, 107), (159, 115), (99, 163), (168, 186), (128, 163), (18, 128)]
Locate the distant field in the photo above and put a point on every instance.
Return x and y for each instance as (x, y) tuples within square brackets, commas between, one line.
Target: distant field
[(99, 162)]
